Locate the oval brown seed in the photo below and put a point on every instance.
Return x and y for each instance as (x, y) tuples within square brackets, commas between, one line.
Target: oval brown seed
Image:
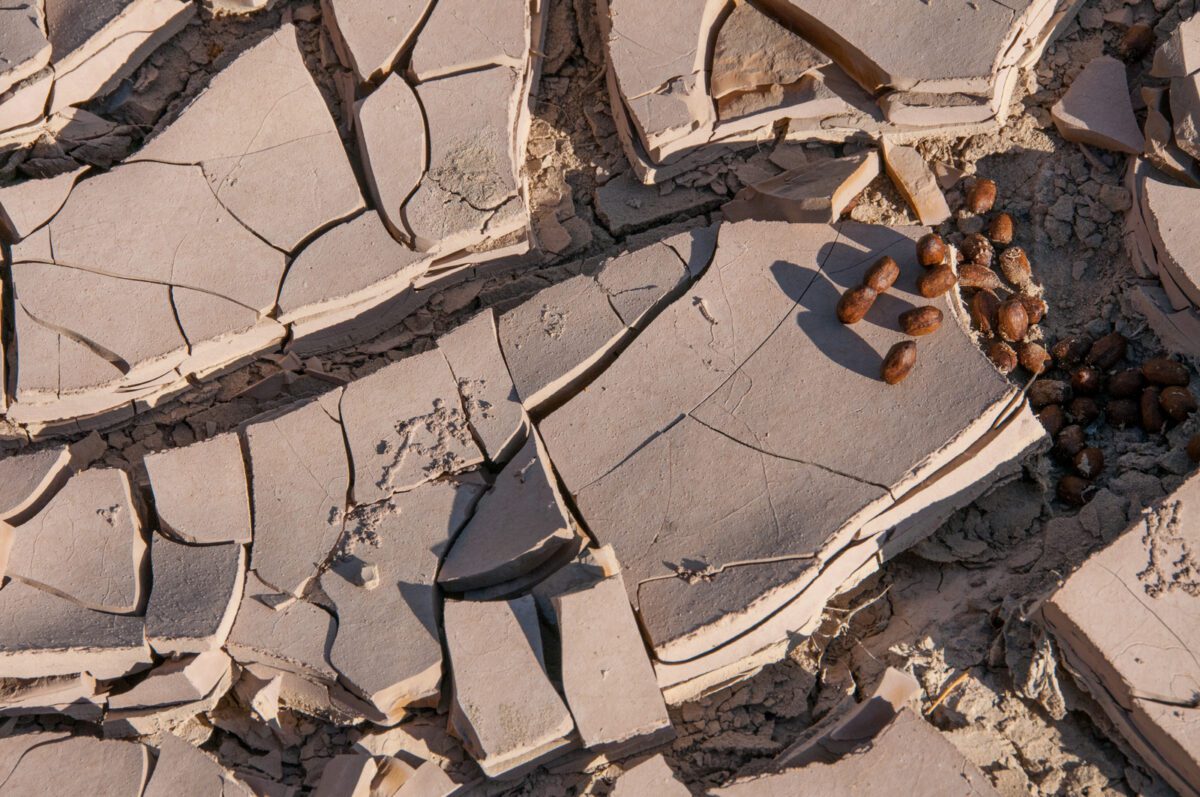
[(1035, 308), (973, 275), (1153, 418), (1126, 384), (977, 249), (1070, 352), (1002, 356), (1083, 410), (1165, 372), (1048, 391), (982, 196), (1001, 229), (984, 306), (899, 362), (1033, 357), (1075, 490), (921, 320), (882, 275), (1089, 462), (1107, 351), (1177, 402), (1014, 265), (1086, 379), (1136, 42), (1013, 320), (1123, 412), (1053, 419), (855, 303), (931, 250), (1193, 448), (936, 281), (1070, 441)]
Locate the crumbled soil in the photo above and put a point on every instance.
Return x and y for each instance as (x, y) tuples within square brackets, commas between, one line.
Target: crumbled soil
[(952, 610)]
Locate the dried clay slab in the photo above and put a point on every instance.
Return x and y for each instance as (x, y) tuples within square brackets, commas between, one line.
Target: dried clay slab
[(1097, 110), (509, 729), (1128, 622)]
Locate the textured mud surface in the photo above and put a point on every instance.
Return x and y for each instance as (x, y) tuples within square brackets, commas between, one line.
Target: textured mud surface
[(953, 611)]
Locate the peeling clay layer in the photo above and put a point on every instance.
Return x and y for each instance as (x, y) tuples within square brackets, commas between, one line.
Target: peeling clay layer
[(209, 272), (829, 78)]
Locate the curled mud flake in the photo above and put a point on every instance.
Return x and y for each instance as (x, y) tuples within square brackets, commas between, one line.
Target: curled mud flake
[(1172, 566)]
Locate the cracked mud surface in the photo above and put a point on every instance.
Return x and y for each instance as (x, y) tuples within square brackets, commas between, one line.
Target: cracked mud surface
[(956, 604)]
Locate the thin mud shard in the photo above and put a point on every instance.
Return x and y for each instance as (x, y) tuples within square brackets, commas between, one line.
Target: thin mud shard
[(1127, 623), (300, 475), (828, 74)]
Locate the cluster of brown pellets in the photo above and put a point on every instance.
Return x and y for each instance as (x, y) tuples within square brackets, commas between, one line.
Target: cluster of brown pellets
[(1005, 307), (917, 322), (1093, 382)]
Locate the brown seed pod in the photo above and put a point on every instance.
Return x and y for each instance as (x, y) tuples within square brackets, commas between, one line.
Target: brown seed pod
[(1137, 41), (1083, 410), (1070, 352), (921, 320), (1070, 441), (1001, 229), (1123, 412), (1053, 419), (899, 362), (855, 303), (973, 275), (1013, 320), (1165, 372), (1048, 391), (931, 250), (1126, 384), (936, 281), (1086, 380), (984, 309), (1177, 402), (1154, 421), (1002, 356), (1033, 357), (1089, 462), (1193, 448), (1108, 351), (978, 249), (1014, 265), (1035, 308), (1075, 490), (882, 274), (982, 196)]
